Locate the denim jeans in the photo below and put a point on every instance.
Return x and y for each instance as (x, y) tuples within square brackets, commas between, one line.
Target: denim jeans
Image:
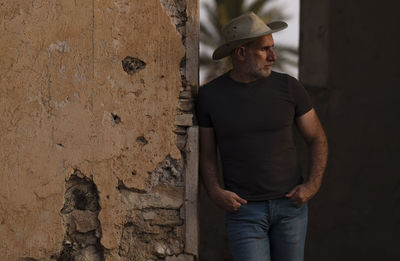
[(272, 230)]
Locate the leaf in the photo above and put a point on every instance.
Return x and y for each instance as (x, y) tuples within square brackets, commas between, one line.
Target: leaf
[(257, 5)]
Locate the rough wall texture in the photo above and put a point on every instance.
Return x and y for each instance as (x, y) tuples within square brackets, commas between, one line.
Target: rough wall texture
[(94, 106)]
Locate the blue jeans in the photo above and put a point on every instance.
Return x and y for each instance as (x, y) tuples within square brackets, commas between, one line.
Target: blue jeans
[(272, 230)]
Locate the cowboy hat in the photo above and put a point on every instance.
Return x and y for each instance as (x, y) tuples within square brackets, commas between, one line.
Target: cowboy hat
[(243, 29)]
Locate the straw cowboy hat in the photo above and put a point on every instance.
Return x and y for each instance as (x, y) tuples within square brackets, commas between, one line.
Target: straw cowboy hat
[(243, 29)]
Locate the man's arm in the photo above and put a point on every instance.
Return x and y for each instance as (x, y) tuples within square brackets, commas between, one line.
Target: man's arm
[(314, 135), (226, 199)]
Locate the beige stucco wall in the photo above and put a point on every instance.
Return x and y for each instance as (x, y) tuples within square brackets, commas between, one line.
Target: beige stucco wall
[(67, 107)]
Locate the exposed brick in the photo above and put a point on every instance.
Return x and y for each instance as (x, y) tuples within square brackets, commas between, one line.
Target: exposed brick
[(184, 120), (185, 95), (185, 105)]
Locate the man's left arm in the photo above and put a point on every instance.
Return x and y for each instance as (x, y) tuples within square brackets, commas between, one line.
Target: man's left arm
[(311, 129)]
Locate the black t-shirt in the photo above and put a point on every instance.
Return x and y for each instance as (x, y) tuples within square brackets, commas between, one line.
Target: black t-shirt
[(253, 124)]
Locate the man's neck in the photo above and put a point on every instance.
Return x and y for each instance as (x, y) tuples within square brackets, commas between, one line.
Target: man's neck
[(239, 76)]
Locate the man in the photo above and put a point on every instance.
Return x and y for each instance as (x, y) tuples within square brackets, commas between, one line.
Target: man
[(249, 113)]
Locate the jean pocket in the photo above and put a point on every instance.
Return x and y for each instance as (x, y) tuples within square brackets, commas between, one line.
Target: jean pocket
[(294, 205), (241, 211)]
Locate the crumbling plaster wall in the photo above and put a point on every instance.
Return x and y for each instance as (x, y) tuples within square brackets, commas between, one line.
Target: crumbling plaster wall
[(95, 104)]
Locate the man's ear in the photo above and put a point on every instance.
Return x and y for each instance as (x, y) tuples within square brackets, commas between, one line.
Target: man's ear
[(240, 53)]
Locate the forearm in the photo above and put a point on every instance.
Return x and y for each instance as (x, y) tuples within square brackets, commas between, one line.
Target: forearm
[(225, 199), (209, 176), (314, 135), (318, 149)]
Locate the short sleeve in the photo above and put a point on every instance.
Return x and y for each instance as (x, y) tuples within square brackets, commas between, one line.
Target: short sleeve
[(202, 109), (301, 98)]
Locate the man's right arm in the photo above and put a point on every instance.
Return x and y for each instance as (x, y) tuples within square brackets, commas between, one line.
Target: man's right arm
[(226, 199)]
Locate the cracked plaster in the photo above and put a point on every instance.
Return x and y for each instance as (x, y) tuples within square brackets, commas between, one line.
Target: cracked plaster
[(61, 79)]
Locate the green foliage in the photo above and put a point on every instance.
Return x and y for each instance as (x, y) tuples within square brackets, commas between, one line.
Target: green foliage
[(220, 13)]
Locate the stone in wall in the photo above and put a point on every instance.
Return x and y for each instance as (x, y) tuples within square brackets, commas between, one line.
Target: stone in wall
[(80, 216), (153, 232), (176, 10)]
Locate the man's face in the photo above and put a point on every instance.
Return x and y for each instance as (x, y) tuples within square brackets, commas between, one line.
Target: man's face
[(259, 57)]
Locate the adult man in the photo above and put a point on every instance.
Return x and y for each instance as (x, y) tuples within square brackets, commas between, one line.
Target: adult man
[(249, 112)]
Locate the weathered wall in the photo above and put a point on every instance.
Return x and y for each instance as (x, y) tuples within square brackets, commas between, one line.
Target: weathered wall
[(356, 214), (95, 101)]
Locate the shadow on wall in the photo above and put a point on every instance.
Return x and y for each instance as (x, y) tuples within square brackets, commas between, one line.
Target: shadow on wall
[(213, 241)]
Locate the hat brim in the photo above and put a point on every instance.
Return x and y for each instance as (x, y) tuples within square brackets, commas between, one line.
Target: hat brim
[(226, 48)]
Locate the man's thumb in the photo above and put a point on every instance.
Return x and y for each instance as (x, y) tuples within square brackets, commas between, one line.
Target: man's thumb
[(240, 200), (291, 193)]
